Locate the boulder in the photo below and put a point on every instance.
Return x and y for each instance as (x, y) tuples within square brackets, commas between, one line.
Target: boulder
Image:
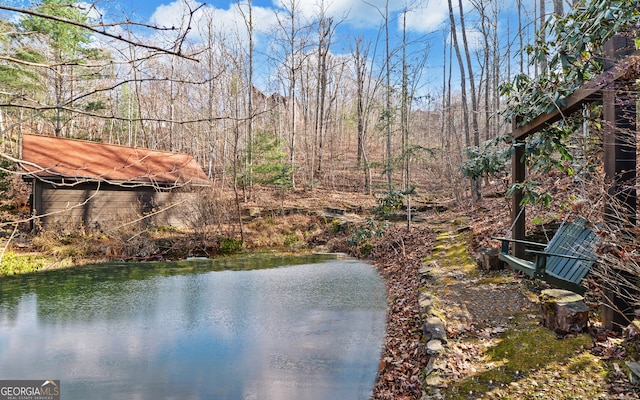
[(434, 347), (434, 328)]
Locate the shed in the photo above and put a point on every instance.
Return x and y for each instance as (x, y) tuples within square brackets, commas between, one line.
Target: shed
[(97, 185)]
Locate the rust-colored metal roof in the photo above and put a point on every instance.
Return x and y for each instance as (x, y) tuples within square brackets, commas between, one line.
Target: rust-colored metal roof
[(55, 158)]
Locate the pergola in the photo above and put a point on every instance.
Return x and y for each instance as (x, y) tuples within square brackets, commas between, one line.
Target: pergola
[(619, 113)]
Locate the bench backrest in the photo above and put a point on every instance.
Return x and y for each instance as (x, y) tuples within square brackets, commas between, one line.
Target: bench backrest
[(574, 239)]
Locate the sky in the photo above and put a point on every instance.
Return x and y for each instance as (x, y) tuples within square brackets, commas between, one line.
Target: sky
[(426, 16), (426, 22), (355, 17)]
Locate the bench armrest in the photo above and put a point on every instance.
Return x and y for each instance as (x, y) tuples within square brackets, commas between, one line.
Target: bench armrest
[(506, 241), (520, 241), (546, 254)]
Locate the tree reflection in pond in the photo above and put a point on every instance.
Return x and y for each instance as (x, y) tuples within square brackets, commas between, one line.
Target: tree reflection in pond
[(197, 331)]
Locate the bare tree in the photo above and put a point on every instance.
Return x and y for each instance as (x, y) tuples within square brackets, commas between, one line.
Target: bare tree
[(326, 29), (475, 184), (463, 75), (543, 35), (293, 42), (360, 62), (248, 20), (387, 115), (388, 112), (558, 7), (520, 34)]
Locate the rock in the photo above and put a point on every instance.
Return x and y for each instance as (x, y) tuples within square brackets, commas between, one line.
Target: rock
[(354, 209), (634, 372), (632, 331), (334, 211), (431, 206), (425, 303), (434, 347), (434, 328), (428, 268), (488, 260), (435, 364), (563, 311), (400, 217), (434, 379)]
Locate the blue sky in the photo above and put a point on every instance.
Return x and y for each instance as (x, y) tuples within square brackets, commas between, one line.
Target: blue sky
[(426, 16), (426, 22)]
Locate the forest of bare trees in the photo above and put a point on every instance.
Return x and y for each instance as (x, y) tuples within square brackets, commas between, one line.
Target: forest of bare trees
[(294, 111)]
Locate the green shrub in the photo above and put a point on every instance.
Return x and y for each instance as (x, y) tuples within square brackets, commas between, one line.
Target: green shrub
[(290, 240), (369, 229), (366, 248), (489, 160), (391, 201), (230, 246), (12, 263), (336, 226)]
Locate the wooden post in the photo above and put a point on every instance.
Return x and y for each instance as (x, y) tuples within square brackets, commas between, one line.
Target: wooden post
[(620, 140), (620, 168), (518, 175)]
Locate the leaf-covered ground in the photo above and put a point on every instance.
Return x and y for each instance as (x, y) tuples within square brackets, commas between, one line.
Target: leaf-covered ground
[(497, 347), (398, 255)]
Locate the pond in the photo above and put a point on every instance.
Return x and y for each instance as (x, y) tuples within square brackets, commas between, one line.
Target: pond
[(246, 328)]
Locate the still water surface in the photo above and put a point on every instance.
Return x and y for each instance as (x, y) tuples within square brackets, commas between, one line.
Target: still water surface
[(197, 330)]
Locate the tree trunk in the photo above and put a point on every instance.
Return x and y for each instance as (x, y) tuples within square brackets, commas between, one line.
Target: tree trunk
[(249, 160), (476, 184), (324, 33), (387, 116), (520, 35), (463, 79), (463, 85), (558, 8), (404, 107), (543, 35)]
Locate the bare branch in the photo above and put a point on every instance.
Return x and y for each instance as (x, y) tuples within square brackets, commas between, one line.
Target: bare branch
[(99, 29)]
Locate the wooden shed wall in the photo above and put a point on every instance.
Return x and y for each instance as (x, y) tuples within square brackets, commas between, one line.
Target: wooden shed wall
[(106, 206)]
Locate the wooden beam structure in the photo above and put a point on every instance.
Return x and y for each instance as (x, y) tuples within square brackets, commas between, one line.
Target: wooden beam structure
[(588, 93), (619, 66), (518, 174), (619, 113)]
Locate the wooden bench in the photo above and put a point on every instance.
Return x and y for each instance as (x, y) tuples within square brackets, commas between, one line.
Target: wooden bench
[(563, 262)]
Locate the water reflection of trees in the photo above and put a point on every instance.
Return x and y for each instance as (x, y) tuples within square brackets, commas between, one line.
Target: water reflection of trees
[(67, 293)]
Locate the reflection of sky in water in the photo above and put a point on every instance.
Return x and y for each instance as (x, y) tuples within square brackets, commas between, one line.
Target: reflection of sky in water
[(311, 331)]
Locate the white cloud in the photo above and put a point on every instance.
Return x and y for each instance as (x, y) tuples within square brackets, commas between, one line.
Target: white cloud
[(357, 13), (173, 14), (424, 16), (427, 17), (223, 21)]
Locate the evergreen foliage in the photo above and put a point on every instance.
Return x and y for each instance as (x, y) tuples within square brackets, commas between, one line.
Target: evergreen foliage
[(571, 54), (269, 166)]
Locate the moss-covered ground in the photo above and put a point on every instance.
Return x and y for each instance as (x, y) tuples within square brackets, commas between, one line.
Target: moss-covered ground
[(497, 348)]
